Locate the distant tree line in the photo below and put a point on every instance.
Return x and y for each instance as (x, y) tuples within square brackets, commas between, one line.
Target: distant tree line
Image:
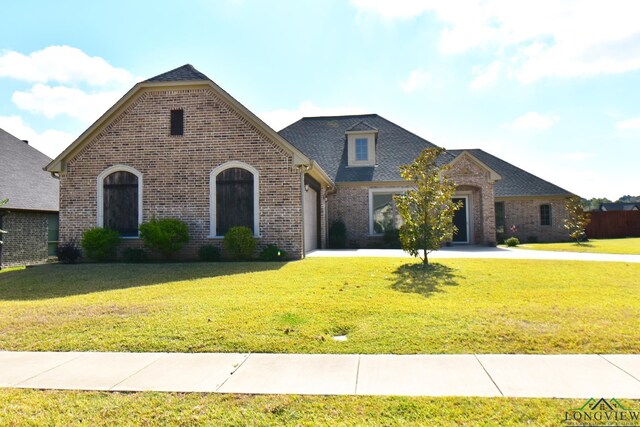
[(594, 203)]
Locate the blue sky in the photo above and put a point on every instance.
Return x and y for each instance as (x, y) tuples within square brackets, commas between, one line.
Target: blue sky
[(550, 86)]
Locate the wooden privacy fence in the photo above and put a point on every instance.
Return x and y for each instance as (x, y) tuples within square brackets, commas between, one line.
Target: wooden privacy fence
[(614, 224)]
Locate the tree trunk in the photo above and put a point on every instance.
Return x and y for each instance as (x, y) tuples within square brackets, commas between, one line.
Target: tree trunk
[(425, 260)]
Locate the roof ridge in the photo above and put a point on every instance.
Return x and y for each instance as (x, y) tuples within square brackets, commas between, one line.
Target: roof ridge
[(345, 116), (182, 73)]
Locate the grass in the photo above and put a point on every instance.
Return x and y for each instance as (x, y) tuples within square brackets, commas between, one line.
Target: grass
[(383, 305), (628, 246), (37, 407)]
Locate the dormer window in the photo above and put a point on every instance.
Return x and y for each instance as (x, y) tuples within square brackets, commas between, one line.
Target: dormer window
[(362, 149), (361, 144)]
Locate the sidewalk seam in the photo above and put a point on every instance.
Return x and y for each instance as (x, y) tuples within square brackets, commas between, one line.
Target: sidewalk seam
[(488, 374), (46, 370), (355, 391), (136, 372), (610, 362), (231, 373)]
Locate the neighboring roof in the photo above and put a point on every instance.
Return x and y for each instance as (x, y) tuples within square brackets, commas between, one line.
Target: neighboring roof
[(620, 206), (515, 181), (185, 73), (184, 76), (22, 179), (323, 139)]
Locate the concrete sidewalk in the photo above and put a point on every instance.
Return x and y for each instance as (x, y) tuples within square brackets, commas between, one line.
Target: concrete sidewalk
[(476, 251), (559, 376)]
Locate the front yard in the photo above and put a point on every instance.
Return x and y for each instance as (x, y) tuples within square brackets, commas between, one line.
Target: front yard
[(628, 246), (37, 407), (382, 305)]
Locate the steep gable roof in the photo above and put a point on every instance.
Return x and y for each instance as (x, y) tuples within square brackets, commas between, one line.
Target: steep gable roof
[(324, 140), (22, 178), (515, 181), (185, 76), (185, 73)]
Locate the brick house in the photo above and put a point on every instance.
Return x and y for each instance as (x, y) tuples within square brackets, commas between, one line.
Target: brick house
[(179, 146), (30, 216)]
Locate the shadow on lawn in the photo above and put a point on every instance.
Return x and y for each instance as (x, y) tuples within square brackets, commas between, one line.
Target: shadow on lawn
[(423, 280), (62, 280)]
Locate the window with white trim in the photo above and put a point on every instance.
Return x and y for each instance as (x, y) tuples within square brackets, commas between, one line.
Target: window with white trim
[(120, 200), (383, 214), (234, 198)]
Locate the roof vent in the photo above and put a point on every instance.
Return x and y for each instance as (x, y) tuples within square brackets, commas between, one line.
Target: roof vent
[(26, 141)]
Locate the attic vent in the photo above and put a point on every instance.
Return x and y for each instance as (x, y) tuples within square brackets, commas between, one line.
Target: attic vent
[(177, 122)]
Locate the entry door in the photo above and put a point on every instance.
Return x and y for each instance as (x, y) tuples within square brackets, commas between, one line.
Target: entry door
[(310, 219), (461, 220)]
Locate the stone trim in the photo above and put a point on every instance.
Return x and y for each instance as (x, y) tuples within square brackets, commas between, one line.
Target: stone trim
[(100, 193)]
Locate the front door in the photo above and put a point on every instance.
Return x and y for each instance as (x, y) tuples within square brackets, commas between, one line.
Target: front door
[(461, 221)]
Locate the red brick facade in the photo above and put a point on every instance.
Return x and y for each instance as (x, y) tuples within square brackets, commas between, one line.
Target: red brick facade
[(176, 169)]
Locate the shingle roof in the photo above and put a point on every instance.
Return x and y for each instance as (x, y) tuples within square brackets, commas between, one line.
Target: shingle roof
[(185, 73), (619, 206), (22, 179), (323, 139), (515, 181), (362, 126)]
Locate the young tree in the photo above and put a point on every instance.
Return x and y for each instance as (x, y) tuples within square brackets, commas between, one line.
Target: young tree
[(578, 219), (427, 209)]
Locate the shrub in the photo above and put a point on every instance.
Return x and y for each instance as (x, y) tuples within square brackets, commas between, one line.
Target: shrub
[(134, 255), (240, 243), (209, 253), (338, 235), (272, 253), (166, 236), (69, 253), (100, 244), (391, 239), (512, 241)]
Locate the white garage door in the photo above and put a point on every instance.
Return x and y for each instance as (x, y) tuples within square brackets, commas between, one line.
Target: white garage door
[(310, 220)]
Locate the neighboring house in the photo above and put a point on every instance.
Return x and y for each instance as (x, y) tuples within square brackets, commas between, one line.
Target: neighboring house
[(619, 206), (179, 146), (31, 215)]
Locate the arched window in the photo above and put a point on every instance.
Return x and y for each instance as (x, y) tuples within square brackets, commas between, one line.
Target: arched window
[(234, 198), (120, 200)]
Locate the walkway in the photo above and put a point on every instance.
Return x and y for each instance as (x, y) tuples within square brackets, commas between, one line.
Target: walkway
[(473, 251), (560, 376)]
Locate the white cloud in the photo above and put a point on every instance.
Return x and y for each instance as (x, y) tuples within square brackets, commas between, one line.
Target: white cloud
[(485, 76), (53, 101), (278, 119), (533, 120), (629, 124), (578, 156), (417, 79), (62, 64), (545, 38), (393, 9), (50, 142)]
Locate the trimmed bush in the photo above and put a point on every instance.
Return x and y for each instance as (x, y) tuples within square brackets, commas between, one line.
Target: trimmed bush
[(240, 243), (100, 244), (338, 235), (391, 239), (69, 253), (166, 236), (209, 253), (273, 253), (134, 255), (512, 241)]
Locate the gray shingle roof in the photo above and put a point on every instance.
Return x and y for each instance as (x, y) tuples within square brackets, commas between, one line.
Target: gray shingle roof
[(323, 139), (515, 181), (22, 179), (185, 73), (361, 126)]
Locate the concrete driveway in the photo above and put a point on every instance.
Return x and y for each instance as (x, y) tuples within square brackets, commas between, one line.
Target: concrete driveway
[(474, 251)]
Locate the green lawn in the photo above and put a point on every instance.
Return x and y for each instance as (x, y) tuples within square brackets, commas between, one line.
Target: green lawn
[(383, 305), (34, 407), (629, 246)]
